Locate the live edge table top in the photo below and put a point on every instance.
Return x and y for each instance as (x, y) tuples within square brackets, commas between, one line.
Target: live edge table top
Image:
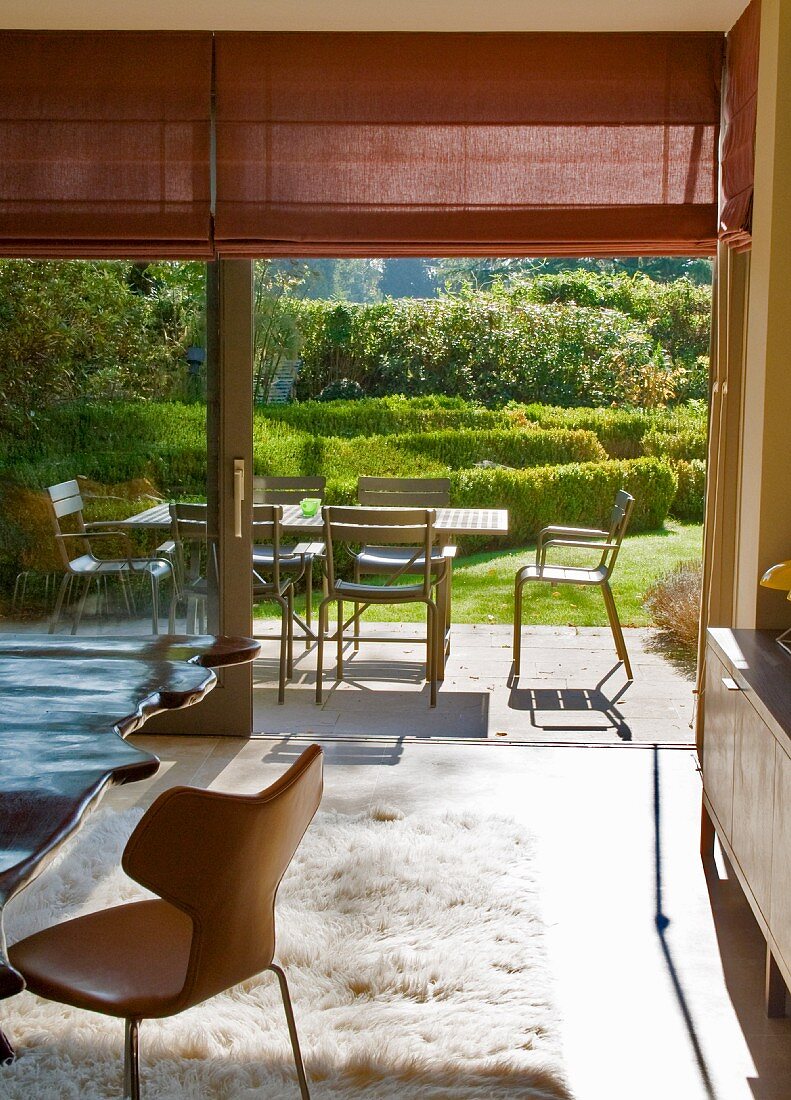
[(66, 705)]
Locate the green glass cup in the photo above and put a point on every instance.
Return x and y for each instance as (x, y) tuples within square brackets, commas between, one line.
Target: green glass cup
[(310, 506)]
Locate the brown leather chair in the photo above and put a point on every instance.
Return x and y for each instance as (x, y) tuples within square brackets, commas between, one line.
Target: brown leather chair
[(216, 861)]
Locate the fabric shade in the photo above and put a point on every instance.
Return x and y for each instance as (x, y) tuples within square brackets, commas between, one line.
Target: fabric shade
[(105, 144), (738, 142), (460, 144)]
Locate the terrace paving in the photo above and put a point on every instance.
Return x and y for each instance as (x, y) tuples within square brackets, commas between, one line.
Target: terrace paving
[(570, 690)]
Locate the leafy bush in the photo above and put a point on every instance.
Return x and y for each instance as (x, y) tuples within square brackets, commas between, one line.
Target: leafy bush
[(578, 338), (674, 604), (689, 503), (345, 389)]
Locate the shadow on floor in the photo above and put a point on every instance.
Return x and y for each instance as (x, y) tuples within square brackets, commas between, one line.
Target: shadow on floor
[(583, 710)]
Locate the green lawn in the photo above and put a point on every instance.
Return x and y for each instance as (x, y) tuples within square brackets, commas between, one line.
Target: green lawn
[(483, 584)]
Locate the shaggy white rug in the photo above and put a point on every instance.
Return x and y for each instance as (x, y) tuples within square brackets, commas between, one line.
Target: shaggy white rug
[(413, 946)]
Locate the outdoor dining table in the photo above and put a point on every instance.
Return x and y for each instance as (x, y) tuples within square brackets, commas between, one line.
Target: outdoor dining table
[(66, 707), (450, 522)]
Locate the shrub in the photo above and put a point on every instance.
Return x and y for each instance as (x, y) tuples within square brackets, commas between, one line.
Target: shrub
[(674, 603), (689, 503), (577, 338), (383, 416), (345, 389), (685, 444), (620, 431), (580, 494)]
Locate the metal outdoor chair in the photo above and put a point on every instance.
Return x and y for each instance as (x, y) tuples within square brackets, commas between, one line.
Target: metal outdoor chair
[(214, 863), (403, 492), (85, 566), (412, 528), (290, 490), (275, 577), (192, 555), (584, 538)]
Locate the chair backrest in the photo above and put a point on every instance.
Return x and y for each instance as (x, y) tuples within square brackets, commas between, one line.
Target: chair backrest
[(220, 858), (404, 492), (65, 501), (619, 521), (356, 526), (267, 529), (287, 490)]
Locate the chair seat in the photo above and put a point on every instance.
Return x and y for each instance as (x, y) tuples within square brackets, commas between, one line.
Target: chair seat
[(128, 961), (379, 593), (389, 559), (88, 565), (561, 574)]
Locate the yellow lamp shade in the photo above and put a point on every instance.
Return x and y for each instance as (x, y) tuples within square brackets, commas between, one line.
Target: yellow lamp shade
[(779, 577)]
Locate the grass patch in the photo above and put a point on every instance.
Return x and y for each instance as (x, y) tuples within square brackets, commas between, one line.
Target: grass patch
[(483, 584)]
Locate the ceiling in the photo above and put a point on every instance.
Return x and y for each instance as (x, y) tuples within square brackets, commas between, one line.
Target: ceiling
[(373, 15)]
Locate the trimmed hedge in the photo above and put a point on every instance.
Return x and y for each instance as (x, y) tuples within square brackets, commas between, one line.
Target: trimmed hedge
[(689, 503), (383, 416), (620, 431), (580, 494), (684, 445), (438, 453)]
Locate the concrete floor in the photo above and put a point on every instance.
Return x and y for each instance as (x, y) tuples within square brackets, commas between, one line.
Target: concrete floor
[(658, 966), (570, 689)]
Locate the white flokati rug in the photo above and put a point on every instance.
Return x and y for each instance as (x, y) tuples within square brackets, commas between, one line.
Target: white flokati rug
[(413, 946)]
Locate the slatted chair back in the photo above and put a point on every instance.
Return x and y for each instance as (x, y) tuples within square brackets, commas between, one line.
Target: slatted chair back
[(404, 492), (65, 500), (188, 529), (287, 490), (620, 516), (412, 527), (267, 521)]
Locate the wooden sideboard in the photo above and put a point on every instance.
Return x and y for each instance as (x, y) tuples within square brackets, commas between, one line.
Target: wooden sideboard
[(747, 782)]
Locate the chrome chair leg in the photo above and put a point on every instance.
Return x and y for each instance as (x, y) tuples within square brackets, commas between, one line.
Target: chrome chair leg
[(81, 605), (131, 1061), (154, 603), (292, 1031), (64, 584)]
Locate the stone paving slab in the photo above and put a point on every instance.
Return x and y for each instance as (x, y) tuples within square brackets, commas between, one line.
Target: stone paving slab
[(571, 689)]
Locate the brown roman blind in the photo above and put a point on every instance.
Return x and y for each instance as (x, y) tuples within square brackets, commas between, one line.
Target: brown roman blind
[(443, 144), (105, 144), (738, 140)]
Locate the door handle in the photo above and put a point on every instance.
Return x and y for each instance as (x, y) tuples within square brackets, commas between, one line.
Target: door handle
[(238, 496)]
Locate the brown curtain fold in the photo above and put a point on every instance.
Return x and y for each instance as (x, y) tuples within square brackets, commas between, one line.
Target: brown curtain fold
[(105, 144), (457, 144), (738, 142)]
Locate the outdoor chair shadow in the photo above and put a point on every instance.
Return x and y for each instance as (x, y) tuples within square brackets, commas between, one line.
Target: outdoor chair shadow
[(572, 703)]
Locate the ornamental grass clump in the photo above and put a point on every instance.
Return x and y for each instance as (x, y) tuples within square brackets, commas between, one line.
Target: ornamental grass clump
[(673, 602)]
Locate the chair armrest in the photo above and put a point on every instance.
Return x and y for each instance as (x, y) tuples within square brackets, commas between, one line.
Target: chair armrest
[(581, 544), (567, 532), (96, 523)]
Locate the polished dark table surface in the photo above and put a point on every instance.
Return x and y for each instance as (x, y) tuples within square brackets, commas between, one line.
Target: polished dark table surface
[(66, 705)]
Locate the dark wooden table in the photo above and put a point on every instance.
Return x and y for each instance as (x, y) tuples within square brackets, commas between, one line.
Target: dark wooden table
[(66, 705)]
